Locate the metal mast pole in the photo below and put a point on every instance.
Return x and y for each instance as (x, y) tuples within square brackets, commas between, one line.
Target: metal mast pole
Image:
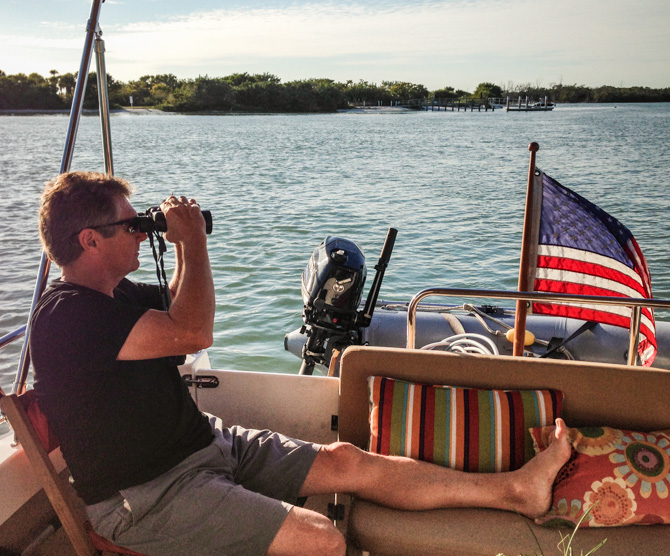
[(521, 308)]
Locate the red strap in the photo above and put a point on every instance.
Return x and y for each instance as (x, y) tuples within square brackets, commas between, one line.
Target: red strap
[(39, 421)]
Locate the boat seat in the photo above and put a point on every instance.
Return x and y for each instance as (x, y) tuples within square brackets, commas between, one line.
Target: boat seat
[(32, 430), (595, 394)]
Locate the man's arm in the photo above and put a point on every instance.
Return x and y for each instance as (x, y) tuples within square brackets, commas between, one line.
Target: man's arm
[(188, 325), (176, 275)]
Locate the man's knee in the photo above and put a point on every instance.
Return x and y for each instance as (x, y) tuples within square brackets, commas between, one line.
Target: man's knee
[(330, 541), (307, 532), (344, 456)]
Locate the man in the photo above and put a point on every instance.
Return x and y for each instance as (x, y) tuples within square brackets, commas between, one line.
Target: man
[(158, 476)]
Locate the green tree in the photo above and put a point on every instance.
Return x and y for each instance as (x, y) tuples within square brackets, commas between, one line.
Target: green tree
[(241, 79), (313, 95), (257, 96), (204, 94), (66, 84), (53, 80), (363, 91), (446, 92), (488, 90), (140, 90), (402, 90), (170, 80), (161, 94), (115, 92), (32, 92)]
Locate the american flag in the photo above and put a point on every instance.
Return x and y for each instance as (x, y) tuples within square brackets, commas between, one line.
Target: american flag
[(583, 250)]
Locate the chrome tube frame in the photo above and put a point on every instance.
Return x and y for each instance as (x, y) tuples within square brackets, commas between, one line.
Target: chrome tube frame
[(634, 334), (13, 336), (92, 29), (634, 303), (103, 102)]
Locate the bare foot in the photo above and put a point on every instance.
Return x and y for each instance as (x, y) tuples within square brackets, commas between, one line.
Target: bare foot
[(532, 488)]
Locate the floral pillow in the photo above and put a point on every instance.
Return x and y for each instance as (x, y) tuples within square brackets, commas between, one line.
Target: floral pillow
[(621, 476)]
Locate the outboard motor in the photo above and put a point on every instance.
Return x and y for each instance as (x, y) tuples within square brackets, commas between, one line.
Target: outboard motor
[(332, 287)]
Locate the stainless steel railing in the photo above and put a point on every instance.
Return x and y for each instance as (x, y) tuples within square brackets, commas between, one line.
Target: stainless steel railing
[(635, 304)]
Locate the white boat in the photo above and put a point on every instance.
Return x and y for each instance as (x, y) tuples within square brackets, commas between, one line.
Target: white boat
[(303, 406), (542, 105), (472, 325), (527, 105), (334, 320)]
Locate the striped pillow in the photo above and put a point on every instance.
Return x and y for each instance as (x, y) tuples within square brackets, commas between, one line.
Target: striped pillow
[(468, 429)]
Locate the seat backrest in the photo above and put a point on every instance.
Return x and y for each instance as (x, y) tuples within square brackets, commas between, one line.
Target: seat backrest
[(595, 393), (32, 430)]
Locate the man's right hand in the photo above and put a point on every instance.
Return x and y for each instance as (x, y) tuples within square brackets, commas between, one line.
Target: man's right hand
[(184, 219)]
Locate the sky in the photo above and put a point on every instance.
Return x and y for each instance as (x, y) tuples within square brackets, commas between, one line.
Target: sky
[(436, 43)]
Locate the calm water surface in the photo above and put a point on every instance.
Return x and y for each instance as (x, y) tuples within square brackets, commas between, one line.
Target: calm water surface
[(453, 184)]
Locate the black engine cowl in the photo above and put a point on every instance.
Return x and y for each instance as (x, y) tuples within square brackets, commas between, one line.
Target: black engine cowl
[(332, 288), (332, 284)]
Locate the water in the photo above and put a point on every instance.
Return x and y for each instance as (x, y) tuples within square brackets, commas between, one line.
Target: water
[(453, 184)]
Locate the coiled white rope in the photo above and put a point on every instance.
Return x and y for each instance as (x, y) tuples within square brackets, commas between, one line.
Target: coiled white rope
[(466, 343)]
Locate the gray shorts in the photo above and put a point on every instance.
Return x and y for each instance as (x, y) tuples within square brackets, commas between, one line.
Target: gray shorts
[(227, 499)]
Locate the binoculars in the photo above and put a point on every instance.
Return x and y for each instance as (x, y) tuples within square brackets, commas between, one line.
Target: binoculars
[(153, 220)]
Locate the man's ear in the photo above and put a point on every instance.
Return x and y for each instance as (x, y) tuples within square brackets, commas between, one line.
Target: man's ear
[(89, 240)]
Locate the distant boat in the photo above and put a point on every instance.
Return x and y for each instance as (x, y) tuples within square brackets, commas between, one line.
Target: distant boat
[(542, 105)]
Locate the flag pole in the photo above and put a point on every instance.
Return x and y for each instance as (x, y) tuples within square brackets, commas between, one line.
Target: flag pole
[(524, 263)]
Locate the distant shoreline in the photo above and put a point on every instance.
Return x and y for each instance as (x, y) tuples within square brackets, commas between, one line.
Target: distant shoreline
[(139, 111), (142, 111), (66, 111)]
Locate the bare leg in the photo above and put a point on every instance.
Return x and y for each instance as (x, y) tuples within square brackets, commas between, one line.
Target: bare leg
[(306, 532), (404, 483), (414, 485)]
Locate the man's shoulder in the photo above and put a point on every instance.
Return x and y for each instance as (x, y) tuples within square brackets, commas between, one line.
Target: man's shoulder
[(59, 291), (126, 285), (147, 295), (73, 322)]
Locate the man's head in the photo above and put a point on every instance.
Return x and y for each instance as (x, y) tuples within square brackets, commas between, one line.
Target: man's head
[(73, 202)]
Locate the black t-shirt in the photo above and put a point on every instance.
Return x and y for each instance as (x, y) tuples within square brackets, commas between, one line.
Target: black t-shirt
[(120, 423)]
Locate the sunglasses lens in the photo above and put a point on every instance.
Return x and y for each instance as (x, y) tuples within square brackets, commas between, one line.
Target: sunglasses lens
[(133, 225)]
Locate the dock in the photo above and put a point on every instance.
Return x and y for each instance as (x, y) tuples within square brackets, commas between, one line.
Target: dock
[(456, 104), (453, 104), (466, 103), (523, 104)]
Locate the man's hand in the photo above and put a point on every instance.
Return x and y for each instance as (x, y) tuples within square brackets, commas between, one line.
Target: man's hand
[(184, 219)]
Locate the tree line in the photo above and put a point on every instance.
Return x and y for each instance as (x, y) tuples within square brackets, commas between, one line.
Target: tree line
[(243, 92)]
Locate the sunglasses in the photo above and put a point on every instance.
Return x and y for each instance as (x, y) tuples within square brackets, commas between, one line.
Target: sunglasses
[(131, 225)]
